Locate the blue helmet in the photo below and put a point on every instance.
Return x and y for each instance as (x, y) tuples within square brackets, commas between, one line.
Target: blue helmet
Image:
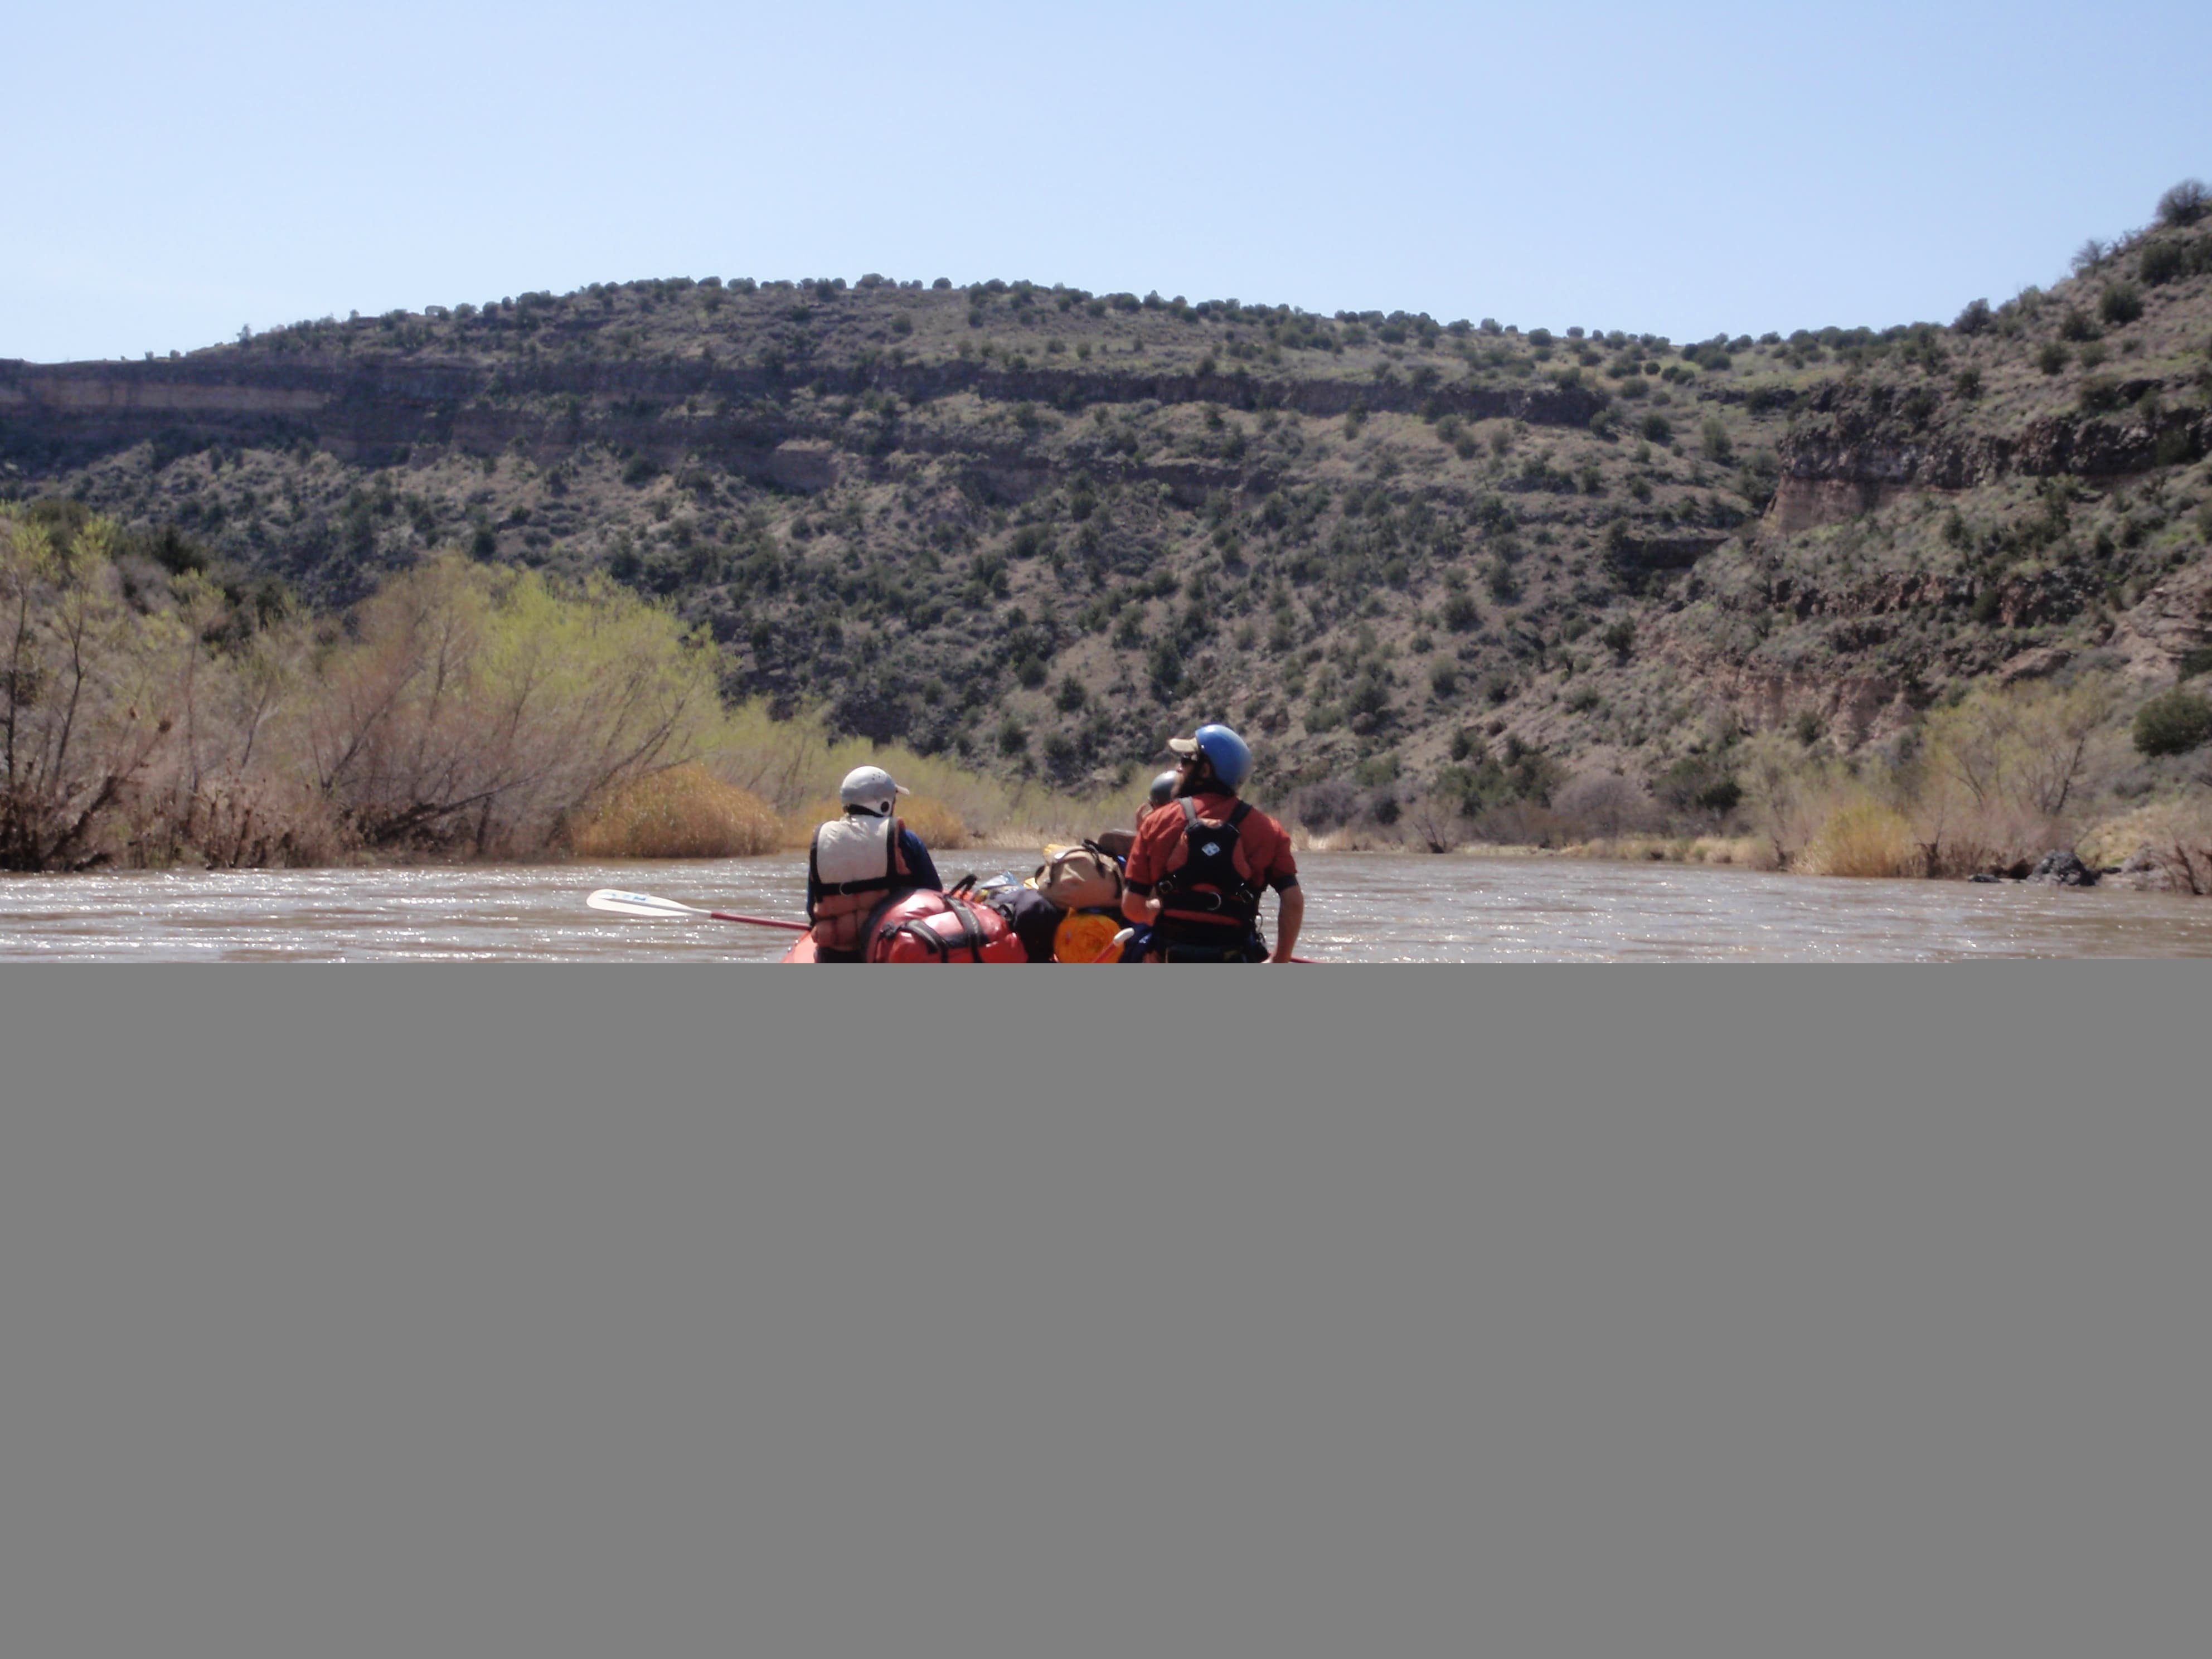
[(1230, 759)]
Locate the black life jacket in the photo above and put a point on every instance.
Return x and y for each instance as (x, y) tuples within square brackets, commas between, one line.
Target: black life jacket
[(1207, 886)]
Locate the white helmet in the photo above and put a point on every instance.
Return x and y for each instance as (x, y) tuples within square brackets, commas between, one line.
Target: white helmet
[(870, 789)]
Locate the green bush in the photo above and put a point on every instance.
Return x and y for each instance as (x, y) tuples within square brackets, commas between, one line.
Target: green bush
[(1461, 612), (2173, 723), (1657, 429), (2120, 304), (2051, 358), (2185, 203), (2162, 262), (1975, 318), (1071, 696), (2099, 394), (2075, 326)]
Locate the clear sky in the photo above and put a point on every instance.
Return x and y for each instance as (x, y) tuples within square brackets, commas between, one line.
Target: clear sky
[(176, 171)]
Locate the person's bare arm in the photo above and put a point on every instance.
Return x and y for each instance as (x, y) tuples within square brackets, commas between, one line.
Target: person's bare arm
[(1140, 910), (1290, 916)]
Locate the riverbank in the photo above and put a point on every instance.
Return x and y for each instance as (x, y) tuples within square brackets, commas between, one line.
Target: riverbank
[(2162, 845)]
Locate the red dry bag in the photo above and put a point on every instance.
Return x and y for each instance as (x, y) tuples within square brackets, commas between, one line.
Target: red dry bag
[(926, 926)]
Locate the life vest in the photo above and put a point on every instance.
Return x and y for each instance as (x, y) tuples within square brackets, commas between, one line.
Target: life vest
[(852, 867), (1208, 880), (930, 926)]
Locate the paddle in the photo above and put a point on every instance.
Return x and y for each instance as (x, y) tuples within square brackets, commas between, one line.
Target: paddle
[(651, 904)]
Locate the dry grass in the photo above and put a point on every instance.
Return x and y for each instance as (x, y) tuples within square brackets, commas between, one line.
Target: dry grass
[(796, 766), (940, 827), (1749, 851), (937, 824), (684, 812), (1865, 838)]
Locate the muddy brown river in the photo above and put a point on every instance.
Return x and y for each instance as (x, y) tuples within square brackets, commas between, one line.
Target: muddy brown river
[(1361, 907)]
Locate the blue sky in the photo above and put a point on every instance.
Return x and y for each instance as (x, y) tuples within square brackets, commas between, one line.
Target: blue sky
[(177, 171)]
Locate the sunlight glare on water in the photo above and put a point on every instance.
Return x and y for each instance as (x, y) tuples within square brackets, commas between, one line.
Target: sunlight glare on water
[(1360, 908)]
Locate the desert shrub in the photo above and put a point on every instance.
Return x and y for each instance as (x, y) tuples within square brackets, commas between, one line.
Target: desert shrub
[(683, 813), (2099, 394), (1967, 385), (2076, 325), (1700, 783), (2173, 723), (2120, 304), (1657, 429), (463, 710), (1620, 638), (2185, 203), (1601, 805), (1461, 612), (477, 710), (1322, 806), (2050, 357), (1975, 318), (2162, 262)]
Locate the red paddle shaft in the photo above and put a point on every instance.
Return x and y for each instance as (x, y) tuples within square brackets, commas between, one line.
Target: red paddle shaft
[(759, 922)]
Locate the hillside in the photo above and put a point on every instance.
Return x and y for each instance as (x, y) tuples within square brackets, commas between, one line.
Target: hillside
[(1036, 528)]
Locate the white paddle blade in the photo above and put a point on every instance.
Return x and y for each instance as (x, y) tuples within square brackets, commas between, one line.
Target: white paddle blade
[(639, 904)]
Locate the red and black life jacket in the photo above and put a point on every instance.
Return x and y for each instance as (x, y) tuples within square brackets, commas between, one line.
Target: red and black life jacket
[(1203, 882)]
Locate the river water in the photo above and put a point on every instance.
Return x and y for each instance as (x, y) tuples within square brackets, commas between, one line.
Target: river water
[(1361, 907)]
